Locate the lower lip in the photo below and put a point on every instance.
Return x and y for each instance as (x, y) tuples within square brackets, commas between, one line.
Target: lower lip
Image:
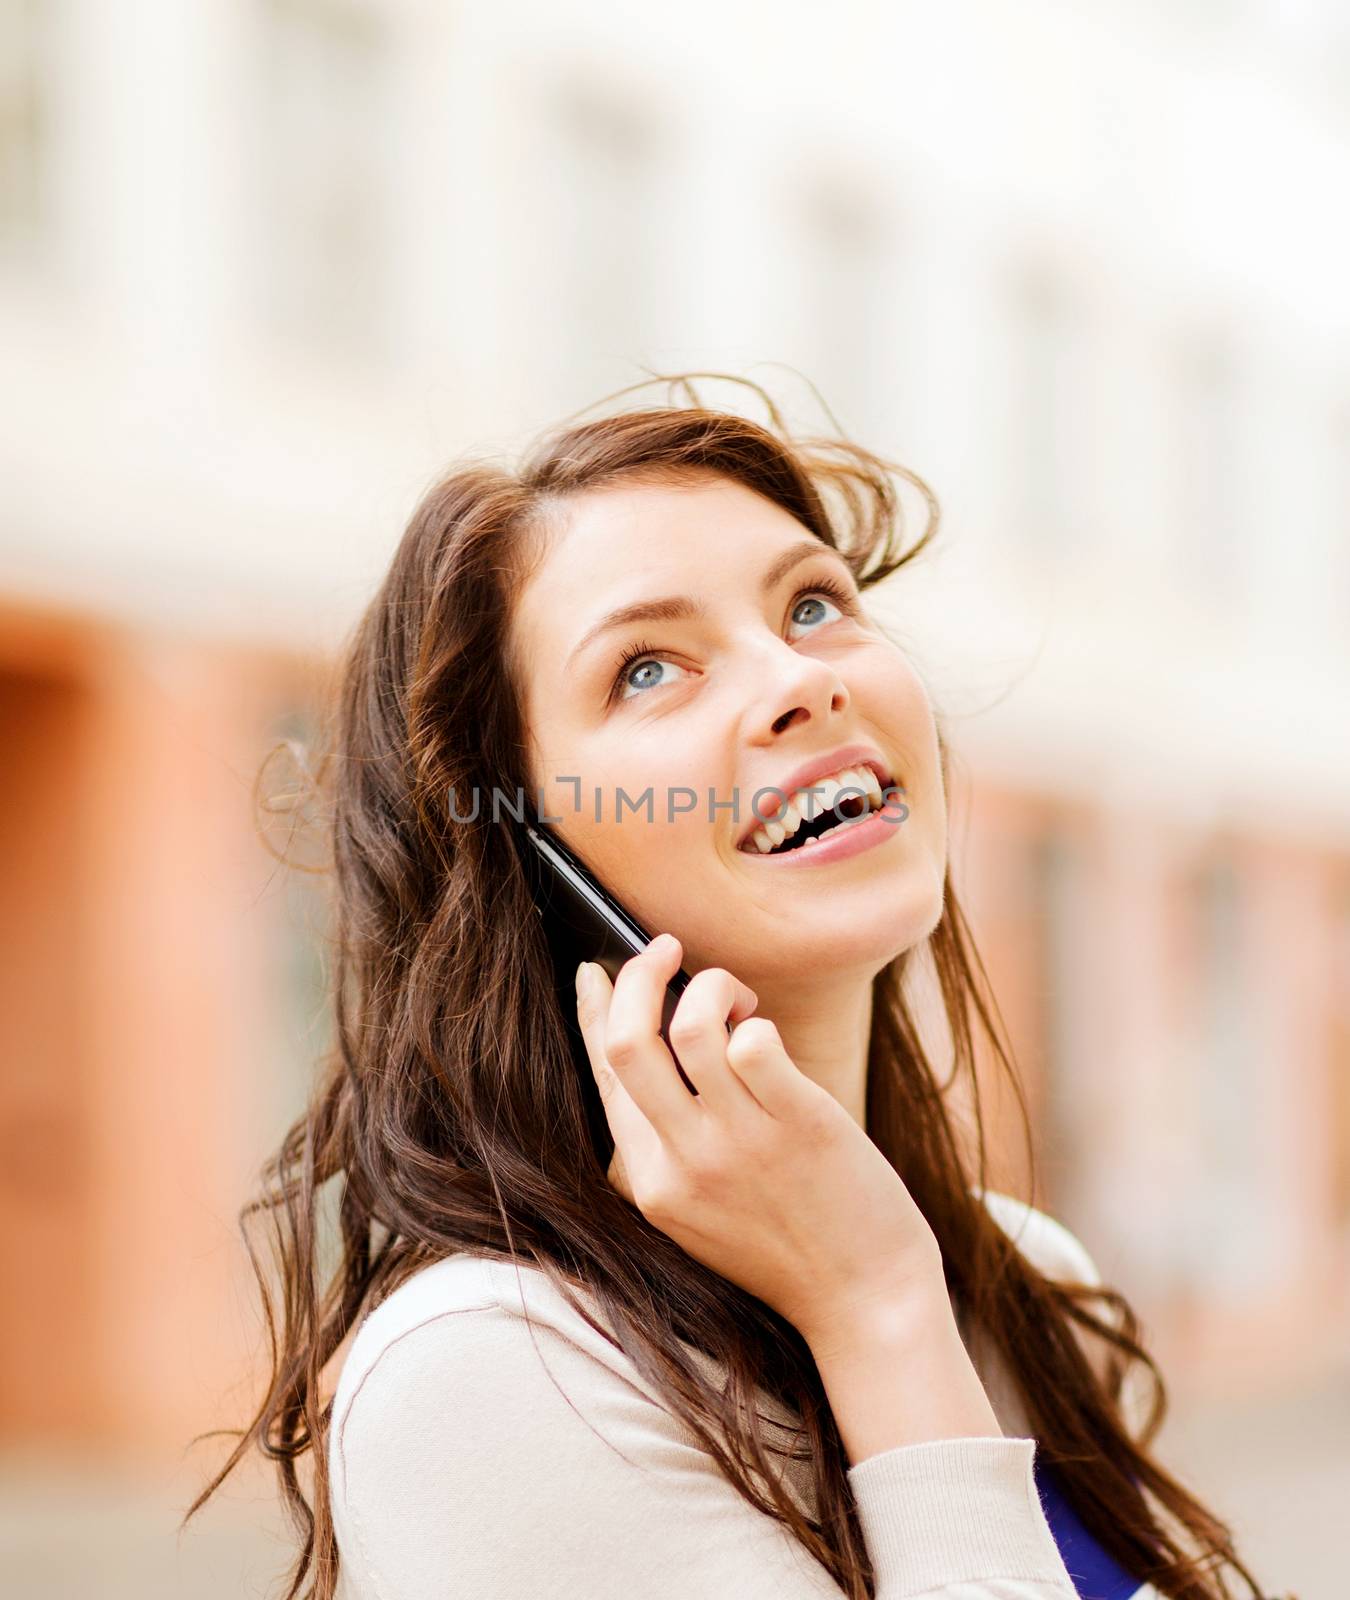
[(848, 839)]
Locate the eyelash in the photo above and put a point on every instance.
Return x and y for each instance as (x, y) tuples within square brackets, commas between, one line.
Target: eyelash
[(830, 586)]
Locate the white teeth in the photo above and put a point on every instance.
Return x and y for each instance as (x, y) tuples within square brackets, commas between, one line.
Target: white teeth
[(814, 801)]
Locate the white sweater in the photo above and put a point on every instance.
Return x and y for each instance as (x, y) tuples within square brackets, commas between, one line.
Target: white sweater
[(475, 1452)]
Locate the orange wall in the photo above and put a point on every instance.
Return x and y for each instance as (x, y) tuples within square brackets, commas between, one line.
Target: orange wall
[(136, 1025), (149, 1053)]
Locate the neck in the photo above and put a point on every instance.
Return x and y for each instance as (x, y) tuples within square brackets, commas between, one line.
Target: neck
[(825, 1031)]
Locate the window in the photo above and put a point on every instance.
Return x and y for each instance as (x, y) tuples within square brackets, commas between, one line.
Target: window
[(1061, 922), (1339, 518), (292, 829), (850, 304), (25, 125), (1208, 449), (322, 174), (1232, 1243), (1049, 425), (1340, 1051), (599, 213)]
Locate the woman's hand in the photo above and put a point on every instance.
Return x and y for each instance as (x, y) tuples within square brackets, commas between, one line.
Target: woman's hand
[(763, 1176)]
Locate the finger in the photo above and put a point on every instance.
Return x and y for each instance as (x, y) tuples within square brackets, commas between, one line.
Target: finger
[(756, 1055), (744, 1002), (618, 1176), (698, 1036), (632, 1044), (625, 1119)]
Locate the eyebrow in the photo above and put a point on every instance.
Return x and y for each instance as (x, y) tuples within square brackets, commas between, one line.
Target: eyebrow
[(676, 608)]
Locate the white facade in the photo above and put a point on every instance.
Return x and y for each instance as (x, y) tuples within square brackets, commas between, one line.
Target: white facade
[(268, 266)]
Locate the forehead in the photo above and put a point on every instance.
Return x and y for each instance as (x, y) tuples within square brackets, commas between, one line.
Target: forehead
[(627, 540)]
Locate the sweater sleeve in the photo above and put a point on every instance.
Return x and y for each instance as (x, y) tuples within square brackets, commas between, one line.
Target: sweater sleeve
[(483, 1454)]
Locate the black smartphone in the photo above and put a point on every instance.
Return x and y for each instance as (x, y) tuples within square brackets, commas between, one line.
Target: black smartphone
[(584, 921)]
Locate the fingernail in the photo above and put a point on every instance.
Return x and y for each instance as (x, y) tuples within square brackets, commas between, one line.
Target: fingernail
[(584, 979)]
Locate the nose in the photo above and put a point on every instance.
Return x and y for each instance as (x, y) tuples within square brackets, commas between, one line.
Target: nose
[(793, 688)]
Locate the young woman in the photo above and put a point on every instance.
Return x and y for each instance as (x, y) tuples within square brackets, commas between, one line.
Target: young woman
[(784, 1342)]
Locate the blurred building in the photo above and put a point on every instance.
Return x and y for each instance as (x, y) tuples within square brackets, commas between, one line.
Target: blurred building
[(267, 266)]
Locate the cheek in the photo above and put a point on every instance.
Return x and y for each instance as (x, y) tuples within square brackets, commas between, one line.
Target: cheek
[(627, 788), (664, 760), (899, 700)]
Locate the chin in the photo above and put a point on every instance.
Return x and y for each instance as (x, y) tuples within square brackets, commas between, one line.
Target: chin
[(872, 943)]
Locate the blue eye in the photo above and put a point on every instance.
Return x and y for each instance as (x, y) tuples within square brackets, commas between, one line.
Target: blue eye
[(645, 653), (815, 600), (634, 655)]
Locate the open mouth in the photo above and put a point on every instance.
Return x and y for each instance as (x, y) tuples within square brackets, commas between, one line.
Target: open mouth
[(823, 807)]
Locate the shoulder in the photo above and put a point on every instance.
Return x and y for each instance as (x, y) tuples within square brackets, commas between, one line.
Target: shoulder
[(464, 1328), (445, 1295), (471, 1403), (486, 1438), (472, 1354), (1052, 1248)]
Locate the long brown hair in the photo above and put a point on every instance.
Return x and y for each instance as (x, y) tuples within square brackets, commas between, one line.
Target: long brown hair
[(449, 1117)]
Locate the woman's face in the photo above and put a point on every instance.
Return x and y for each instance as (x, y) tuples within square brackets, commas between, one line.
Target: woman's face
[(733, 700)]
